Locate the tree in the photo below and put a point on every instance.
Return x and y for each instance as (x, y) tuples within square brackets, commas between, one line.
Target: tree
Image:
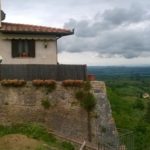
[(139, 104), (88, 103), (147, 114)]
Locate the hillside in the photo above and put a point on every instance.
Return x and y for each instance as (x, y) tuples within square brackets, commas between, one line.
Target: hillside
[(125, 89), (130, 108)]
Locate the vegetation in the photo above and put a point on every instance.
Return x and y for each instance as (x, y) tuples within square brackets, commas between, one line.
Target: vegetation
[(130, 110), (67, 146), (88, 102), (45, 103), (37, 132), (87, 86)]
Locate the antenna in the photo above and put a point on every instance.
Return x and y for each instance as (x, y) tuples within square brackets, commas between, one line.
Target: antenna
[(2, 14)]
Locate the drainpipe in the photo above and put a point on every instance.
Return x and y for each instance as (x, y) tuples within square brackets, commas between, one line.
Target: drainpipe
[(57, 50)]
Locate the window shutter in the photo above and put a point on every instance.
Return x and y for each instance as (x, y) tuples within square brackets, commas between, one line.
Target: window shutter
[(14, 48), (32, 48)]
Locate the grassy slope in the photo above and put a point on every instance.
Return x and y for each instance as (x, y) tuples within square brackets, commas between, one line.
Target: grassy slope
[(37, 132), (20, 142), (129, 107)]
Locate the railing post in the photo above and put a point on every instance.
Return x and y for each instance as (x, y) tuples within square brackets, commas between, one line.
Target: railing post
[(83, 145), (1, 59)]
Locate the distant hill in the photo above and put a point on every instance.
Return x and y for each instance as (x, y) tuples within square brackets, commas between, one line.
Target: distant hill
[(119, 71)]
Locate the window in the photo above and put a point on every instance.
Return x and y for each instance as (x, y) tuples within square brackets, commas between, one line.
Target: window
[(23, 48)]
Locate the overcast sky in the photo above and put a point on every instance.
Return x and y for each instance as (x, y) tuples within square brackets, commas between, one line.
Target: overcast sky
[(107, 32)]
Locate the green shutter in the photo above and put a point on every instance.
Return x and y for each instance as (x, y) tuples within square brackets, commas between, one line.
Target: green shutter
[(31, 48), (14, 50)]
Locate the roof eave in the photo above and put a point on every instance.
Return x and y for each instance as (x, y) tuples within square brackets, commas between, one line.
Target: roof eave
[(39, 33)]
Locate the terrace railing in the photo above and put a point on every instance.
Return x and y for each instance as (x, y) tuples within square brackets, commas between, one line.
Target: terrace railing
[(56, 72)]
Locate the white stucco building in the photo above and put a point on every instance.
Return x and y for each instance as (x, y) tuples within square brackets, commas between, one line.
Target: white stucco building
[(29, 44), (29, 52)]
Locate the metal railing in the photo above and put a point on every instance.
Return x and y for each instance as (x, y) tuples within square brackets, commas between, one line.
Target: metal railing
[(125, 141), (30, 72)]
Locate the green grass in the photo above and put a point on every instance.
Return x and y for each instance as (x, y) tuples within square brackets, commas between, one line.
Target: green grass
[(35, 131)]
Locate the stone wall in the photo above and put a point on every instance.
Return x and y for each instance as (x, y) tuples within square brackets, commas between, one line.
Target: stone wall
[(65, 117)]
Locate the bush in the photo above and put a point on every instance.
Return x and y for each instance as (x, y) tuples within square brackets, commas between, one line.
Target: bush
[(79, 95), (87, 86), (67, 146), (139, 104), (147, 114), (45, 103), (72, 83), (88, 102), (14, 83)]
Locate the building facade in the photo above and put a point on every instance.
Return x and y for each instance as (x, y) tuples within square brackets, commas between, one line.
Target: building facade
[(29, 44)]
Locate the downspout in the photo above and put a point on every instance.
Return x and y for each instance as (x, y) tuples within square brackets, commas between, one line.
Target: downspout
[(57, 50)]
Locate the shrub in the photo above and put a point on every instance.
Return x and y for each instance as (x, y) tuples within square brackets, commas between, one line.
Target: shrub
[(67, 146), (147, 114), (88, 102), (72, 83), (79, 95), (139, 104), (87, 86), (45, 103), (15, 83)]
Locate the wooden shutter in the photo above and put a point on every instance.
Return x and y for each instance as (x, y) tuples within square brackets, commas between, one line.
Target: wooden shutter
[(14, 50), (31, 48)]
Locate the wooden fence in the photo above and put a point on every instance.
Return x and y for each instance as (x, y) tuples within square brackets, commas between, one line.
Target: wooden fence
[(55, 72)]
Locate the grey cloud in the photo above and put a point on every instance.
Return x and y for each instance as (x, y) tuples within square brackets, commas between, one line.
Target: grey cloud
[(106, 33), (108, 20), (119, 16), (109, 34)]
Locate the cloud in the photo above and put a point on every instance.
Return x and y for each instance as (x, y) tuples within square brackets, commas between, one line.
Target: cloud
[(120, 32), (119, 16), (111, 28)]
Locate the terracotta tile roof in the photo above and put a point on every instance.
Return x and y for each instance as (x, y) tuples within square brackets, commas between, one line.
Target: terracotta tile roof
[(25, 28)]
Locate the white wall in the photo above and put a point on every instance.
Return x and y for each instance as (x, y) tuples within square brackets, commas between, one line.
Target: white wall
[(42, 55)]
